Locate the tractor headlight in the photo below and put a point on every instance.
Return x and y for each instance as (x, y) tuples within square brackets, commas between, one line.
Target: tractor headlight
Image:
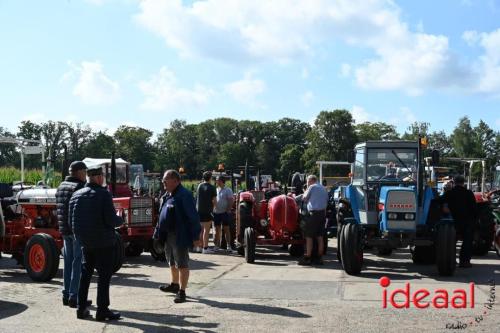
[(409, 216), (392, 216), (264, 223)]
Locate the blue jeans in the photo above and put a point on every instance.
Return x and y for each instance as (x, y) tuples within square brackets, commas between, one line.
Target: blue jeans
[(72, 266)]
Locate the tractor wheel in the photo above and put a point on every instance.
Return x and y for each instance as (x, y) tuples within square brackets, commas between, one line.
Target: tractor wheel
[(384, 251), (339, 242), (41, 257), (296, 250), (446, 255), (249, 240), (351, 249), (423, 255), (119, 252), (133, 250), (157, 250)]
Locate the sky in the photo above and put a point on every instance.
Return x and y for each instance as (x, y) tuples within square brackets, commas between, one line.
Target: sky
[(145, 63)]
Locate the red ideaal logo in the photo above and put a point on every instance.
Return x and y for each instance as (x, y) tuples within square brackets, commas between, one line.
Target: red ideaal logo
[(423, 298)]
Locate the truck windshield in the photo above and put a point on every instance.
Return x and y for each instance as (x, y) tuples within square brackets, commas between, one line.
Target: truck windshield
[(385, 165)]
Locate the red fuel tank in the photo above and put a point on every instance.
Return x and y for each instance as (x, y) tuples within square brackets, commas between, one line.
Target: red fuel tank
[(283, 214)]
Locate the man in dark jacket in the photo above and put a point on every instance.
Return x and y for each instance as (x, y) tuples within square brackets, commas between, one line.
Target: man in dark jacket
[(463, 209), (94, 220), (72, 250), (179, 228)]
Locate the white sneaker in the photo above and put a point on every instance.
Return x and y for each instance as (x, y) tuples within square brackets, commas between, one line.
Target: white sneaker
[(207, 251), (230, 251)]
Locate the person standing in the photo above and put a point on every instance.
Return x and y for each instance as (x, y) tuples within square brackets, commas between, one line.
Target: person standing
[(179, 229), (316, 198), (222, 211), (463, 208), (72, 250), (94, 220), (206, 195)]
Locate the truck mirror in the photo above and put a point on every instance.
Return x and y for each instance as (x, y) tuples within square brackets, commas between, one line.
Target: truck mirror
[(351, 156), (435, 157)]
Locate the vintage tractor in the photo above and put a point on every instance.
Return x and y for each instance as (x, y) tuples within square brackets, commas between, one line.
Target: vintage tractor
[(138, 213), (31, 232), (272, 220), (389, 205)]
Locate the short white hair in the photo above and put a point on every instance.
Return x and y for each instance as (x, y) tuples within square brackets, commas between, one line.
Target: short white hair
[(312, 178)]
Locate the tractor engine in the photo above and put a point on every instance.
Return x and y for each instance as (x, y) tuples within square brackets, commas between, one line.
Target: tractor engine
[(39, 205)]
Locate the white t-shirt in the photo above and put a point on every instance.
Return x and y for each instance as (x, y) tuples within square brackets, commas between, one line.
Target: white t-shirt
[(224, 197)]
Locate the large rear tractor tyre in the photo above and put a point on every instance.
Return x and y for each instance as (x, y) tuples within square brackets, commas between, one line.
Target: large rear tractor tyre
[(133, 250), (157, 250), (423, 255), (339, 242), (384, 251), (296, 250), (351, 249), (119, 253), (249, 240), (446, 256), (41, 257)]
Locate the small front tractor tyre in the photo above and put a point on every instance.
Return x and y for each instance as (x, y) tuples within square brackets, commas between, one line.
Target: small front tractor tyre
[(352, 249), (446, 255), (249, 241)]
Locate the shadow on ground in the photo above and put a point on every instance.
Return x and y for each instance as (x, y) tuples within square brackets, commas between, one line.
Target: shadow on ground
[(9, 309)]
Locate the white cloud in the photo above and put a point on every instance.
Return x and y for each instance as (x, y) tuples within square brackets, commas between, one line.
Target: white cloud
[(283, 31), (246, 90), (470, 37), (161, 93), (361, 116), (307, 98), (345, 70), (93, 87)]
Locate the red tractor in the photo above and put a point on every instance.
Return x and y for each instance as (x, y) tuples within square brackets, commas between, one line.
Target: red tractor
[(268, 218), (139, 213), (31, 233)]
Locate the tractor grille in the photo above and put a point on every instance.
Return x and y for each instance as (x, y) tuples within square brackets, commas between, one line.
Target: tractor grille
[(141, 211), (399, 204)]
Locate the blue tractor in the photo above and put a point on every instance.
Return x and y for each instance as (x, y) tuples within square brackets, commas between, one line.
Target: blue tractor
[(389, 204)]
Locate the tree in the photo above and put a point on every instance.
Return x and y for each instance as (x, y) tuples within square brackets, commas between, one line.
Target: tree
[(9, 156), (133, 144), (463, 139), (77, 136), (232, 155), (415, 130), (330, 139), (31, 131), (99, 145), (290, 161), (375, 131), (440, 142)]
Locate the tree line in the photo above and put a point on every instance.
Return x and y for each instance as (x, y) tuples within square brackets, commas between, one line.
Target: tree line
[(277, 147)]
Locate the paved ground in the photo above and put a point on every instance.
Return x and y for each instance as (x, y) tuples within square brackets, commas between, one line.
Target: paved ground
[(273, 295)]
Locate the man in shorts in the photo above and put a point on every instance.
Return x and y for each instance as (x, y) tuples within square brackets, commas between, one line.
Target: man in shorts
[(179, 229), (316, 197), (222, 209), (206, 195)]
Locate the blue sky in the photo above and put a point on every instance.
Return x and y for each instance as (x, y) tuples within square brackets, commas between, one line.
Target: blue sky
[(145, 63)]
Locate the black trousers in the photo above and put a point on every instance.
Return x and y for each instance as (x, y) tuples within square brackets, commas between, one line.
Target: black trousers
[(101, 259), (467, 230)]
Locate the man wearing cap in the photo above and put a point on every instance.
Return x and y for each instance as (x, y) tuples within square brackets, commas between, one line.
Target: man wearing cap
[(222, 211), (72, 250), (94, 220), (463, 208)]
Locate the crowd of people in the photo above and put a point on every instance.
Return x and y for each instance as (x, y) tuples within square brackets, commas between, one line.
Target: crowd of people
[(87, 222)]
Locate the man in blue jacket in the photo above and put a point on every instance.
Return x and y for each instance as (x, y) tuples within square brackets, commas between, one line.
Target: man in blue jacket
[(94, 220), (179, 229)]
